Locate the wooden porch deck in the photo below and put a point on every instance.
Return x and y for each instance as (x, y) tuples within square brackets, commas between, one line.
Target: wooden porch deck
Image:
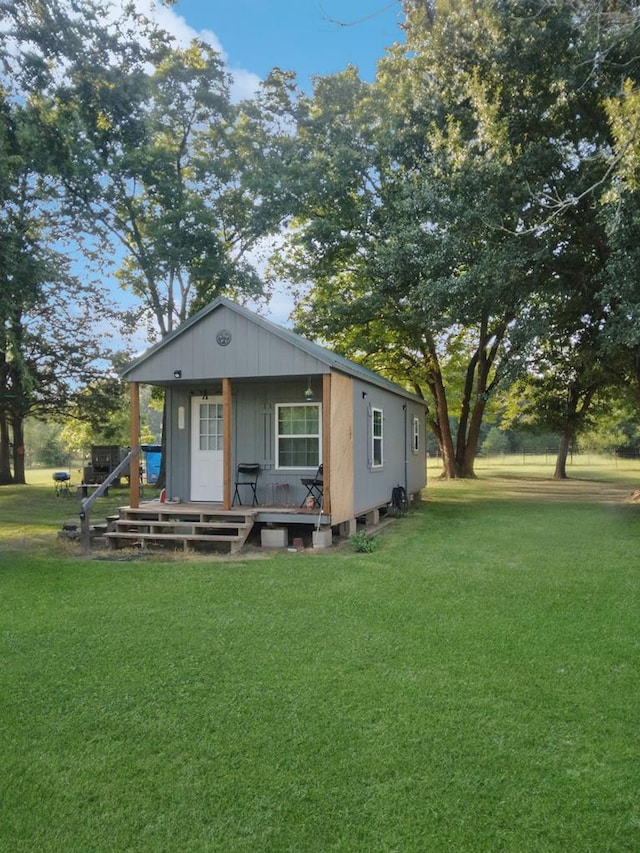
[(192, 524)]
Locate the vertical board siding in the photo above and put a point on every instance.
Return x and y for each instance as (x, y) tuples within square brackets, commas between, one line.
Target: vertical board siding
[(355, 485), (373, 486), (342, 448), (252, 352)]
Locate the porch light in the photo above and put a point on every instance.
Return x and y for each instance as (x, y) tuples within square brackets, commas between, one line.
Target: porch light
[(308, 394), (177, 374)]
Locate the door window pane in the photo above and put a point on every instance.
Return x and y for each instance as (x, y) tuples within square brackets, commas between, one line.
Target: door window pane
[(211, 426)]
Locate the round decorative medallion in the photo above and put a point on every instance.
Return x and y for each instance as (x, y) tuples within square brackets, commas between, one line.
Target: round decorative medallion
[(223, 337)]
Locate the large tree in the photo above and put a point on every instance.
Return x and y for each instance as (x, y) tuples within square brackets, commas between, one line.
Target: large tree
[(47, 315), (155, 164), (569, 382), (151, 160), (434, 210)]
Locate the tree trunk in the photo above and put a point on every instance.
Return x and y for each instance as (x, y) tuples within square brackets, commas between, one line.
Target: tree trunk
[(462, 461), (442, 430), (459, 459), (473, 438), (475, 387), (578, 405), (563, 451), (5, 453), (17, 425)]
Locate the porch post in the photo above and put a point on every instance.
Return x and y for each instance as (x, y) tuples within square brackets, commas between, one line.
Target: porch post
[(134, 469), (226, 426), (326, 441)]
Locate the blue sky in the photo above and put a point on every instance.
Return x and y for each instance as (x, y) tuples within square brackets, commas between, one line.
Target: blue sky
[(306, 36)]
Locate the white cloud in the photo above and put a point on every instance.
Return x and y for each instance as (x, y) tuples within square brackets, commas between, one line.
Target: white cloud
[(244, 85), (244, 82)]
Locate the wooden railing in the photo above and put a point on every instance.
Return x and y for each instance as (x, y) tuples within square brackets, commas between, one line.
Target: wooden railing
[(87, 503)]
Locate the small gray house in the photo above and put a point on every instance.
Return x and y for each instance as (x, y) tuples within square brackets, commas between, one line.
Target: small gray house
[(324, 440)]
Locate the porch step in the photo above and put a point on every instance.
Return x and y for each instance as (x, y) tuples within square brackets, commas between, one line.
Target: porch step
[(184, 524)]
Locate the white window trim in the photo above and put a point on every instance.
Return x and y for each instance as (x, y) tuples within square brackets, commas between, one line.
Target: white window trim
[(375, 438), (415, 444), (306, 435)]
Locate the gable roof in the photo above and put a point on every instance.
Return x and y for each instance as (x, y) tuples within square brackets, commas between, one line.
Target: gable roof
[(321, 354)]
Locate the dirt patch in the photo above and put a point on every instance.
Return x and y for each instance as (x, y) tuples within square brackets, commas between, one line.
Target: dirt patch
[(570, 491)]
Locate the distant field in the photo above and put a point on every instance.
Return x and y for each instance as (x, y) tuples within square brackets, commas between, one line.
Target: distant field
[(470, 685), (586, 466)]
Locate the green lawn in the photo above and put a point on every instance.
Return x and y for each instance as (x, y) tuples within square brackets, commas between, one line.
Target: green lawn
[(471, 685)]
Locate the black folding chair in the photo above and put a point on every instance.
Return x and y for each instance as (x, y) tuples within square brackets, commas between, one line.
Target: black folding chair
[(247, 475), (314, 486)]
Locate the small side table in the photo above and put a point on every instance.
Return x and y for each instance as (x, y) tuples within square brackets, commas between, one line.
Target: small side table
[(280, 494)]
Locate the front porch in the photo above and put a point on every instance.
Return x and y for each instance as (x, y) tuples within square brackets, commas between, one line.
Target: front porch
[(229, 421), (196, 524)]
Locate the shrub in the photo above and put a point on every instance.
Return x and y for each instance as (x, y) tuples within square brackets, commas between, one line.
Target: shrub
[(363, 543)]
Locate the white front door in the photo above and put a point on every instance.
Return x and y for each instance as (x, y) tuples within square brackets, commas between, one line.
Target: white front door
[(207, 456)]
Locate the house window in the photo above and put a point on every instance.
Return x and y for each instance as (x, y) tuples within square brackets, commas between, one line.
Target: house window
[(416, 435), (376, 438), (298, 435)]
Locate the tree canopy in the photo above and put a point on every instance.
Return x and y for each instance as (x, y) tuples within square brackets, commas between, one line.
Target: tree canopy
[(136, 157), (446, 211), (47, 314), (467, 221), (152, 157)]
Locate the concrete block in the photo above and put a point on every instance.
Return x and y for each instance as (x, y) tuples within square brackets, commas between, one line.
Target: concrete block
[(348, 528), (322, 538), (372, 518), (274, 537)]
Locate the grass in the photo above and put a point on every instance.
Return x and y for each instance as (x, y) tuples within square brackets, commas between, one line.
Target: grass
[(32, 515), (582, 466), (471, 685)]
